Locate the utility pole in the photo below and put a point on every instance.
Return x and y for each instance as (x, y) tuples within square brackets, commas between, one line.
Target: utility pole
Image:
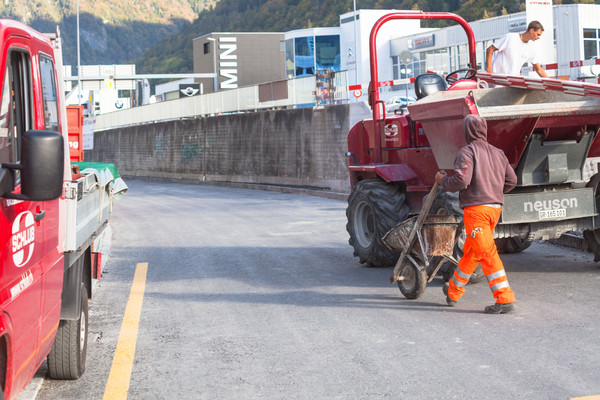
[(355, 50), (78, 60)]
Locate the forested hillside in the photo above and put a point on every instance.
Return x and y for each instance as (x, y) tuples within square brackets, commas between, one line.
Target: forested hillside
[(174, 53), (157, 34), (110, 31)]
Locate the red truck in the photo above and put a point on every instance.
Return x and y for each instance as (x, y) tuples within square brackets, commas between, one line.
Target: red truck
[(50, 215)]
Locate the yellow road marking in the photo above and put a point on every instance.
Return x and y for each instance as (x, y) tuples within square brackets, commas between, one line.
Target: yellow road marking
[(597, 397), (117, 386)]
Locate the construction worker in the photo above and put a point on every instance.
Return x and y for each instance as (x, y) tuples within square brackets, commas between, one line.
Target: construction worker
[(513, 50), (482, 175)]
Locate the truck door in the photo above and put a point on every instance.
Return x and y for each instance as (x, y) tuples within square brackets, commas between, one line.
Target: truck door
[(53, 264), (21, 222)]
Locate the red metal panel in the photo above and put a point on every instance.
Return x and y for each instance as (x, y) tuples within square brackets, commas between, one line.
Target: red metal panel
[(464, 84), (511, 136), (389, 173), (75, 129), (96, 265), (442, 122)]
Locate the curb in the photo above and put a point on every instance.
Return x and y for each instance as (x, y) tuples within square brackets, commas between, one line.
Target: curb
[(573, 240), (307, 190)]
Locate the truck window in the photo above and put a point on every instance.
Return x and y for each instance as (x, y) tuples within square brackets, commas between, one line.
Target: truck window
[(49, 93), (6, 147), (16, 106)]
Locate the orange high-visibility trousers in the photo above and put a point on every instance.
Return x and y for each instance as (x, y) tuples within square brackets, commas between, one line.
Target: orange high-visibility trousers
[(480, 247)]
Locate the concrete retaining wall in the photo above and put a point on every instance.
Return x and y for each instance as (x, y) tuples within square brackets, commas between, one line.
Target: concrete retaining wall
[(299, 147)]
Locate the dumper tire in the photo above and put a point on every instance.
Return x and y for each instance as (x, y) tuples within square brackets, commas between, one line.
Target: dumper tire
[(66, 360), (414, 281), (511, 245), (374, 207), (592, 236)]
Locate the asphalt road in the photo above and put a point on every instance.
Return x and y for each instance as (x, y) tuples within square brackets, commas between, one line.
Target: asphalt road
[(256, 295)]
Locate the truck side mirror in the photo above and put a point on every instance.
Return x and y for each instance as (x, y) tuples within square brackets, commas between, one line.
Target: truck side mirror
[(41, 166)]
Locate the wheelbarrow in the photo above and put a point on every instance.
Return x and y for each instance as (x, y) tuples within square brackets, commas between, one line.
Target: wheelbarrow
[(426, 242)]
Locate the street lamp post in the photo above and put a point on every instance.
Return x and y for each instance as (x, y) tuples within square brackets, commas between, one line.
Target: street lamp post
[(355, 50), (214, 62), (78, 61)]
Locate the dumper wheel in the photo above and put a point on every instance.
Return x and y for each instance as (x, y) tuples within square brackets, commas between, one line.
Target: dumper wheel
[(414, 281), (592, 237), (66, 360), (511, 245), (374, 207)]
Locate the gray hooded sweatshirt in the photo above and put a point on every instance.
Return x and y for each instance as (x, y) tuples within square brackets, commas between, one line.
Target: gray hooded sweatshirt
[(482, 173)]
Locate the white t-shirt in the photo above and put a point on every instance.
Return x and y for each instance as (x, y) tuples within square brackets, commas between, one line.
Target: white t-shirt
[(512, 54)]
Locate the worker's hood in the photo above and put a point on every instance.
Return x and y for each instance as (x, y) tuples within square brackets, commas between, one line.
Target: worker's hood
[(474, 128)]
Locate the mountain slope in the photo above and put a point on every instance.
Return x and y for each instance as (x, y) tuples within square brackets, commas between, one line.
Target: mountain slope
[(174, 53), (158, 34), (110, 31)]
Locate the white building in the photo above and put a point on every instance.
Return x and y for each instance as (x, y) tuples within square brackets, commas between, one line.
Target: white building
[(104, 88), (576, 38), (354, 38), (310, 50)]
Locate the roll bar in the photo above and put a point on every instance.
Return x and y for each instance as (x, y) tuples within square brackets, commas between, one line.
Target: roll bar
[(374, 85)]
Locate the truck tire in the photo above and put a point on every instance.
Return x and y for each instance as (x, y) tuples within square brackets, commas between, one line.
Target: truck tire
[(374, 207), (511, 245), (66, 360), (413, 281), (592, 236)]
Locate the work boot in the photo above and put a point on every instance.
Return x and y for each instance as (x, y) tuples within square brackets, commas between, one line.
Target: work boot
[(450, 302), (500, 308)]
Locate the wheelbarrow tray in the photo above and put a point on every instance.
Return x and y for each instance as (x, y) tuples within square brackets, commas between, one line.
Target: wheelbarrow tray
[(436, 237)]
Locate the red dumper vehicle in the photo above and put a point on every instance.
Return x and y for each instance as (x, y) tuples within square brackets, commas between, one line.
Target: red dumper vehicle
[(50, 215), (546, 127)]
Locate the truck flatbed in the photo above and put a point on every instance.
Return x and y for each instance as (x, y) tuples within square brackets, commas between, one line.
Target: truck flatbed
[(90, 198)]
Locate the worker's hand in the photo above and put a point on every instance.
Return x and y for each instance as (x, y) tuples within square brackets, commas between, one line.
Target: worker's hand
[(439, 176)]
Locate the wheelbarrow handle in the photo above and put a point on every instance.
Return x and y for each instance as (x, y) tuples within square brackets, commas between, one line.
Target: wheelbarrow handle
[(413, 233)]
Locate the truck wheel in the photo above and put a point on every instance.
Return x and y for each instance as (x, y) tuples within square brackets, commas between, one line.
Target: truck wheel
[(66, 360), (374, 207), (414, 281), (511, 245)]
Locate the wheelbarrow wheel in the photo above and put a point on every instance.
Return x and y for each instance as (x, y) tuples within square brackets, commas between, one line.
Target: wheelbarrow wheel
[(413, 282)]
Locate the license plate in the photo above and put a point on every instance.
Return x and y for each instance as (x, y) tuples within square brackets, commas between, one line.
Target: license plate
[(558, 213)]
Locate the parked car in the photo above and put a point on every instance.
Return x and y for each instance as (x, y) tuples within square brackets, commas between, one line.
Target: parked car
[(398, 104)]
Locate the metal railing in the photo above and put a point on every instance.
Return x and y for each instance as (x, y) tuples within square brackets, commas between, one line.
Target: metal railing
[(301, 92)]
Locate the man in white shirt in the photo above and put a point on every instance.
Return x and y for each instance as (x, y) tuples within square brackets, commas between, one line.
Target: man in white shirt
[(515, 49)]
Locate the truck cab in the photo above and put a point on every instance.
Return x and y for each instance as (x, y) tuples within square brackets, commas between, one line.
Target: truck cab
[(43, 289), (31, 258)]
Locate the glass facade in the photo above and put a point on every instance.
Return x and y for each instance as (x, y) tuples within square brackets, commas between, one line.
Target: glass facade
[(289, 58), (328, 52), (304, 55)]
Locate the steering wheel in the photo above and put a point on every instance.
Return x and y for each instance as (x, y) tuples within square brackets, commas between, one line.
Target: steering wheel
[(453, 76)]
